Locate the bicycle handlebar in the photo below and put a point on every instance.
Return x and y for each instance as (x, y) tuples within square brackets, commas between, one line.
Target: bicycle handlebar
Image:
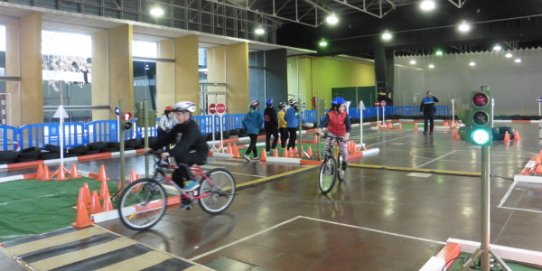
[(338, 138)]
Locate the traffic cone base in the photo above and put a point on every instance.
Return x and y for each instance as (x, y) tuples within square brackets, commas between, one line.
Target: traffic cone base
[(46, 176), (39, 172), (60, 174)]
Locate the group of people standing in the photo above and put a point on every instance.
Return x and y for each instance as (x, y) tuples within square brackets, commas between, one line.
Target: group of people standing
[(285, 122)]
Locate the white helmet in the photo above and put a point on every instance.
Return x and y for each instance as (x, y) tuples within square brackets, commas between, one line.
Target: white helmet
[(184, 106)]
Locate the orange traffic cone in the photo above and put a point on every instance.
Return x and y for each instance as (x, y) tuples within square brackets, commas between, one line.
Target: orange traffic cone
[(82, 219), (104, 190), (60, 173), (101, 174), (538, 169), (540, 154), (229, 150), (506, 136), (536, 159), (107, 206), (525, 172), (133, 176), (39, 172), (285, 152), (309, 151), (95, 206), (263, 156), (86, 195), (45, 176), (236, 151), (516, 136), (74, 173), (275, 152)]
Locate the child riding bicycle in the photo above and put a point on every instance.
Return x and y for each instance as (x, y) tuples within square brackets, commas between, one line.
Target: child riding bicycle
[(338, 125), (190, 146)]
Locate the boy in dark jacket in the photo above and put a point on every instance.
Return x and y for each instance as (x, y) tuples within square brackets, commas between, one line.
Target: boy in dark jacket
[(271, 125), (428, 108)]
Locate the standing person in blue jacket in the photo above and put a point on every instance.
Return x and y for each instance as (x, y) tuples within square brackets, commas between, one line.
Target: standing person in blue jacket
[(291, 117), (252, 123), (428, 108)]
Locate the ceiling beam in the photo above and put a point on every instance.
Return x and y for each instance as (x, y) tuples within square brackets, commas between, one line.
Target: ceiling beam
[(382, 11)]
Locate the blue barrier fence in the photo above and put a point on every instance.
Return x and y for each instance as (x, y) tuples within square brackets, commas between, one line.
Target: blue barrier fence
[(76, 134)]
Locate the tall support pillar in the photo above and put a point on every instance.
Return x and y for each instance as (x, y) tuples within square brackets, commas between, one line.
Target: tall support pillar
[(384, 72), (100, 75), (121, 68), (30, 63), (186, 69)]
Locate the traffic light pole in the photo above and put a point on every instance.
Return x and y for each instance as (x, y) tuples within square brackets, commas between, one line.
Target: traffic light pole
[(121, 150), (484, 252)]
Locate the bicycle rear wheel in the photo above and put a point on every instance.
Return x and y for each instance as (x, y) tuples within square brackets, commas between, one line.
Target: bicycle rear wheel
[(217, 192), (328, 173), (142, 204)]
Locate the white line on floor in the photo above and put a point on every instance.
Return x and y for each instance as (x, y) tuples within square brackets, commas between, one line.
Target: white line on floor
[(243, 239), (377, 231), (522, 209), (431, 161)]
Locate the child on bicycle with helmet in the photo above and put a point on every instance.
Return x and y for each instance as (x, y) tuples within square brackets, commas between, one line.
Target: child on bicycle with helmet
[(190, 145), (166, 121), (252, 123), (338, 125)]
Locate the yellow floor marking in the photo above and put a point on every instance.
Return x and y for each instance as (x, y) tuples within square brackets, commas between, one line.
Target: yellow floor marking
[(75, 256), (421, 170), (53, 241), (276, 176)]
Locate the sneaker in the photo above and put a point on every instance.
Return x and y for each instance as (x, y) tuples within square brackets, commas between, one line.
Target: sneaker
[(344, 165), (186, 203), (256, 158), (190, 186), (246, 157)]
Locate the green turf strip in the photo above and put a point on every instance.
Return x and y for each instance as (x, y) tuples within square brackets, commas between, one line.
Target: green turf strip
[(31, 207), (463, 257)]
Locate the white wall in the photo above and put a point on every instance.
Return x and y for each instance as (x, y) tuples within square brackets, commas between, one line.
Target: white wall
[(514, 86)]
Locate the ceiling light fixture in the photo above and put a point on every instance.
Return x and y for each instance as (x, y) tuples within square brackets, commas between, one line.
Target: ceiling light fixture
[(508, 55), (472, 63), (332, 19), (322, 43), (517, 60), (387, 36), (156, 11), (497, 48), (412, 62), (439, 52), (427, 5), (259, 30), (463, 27), (431, 66)]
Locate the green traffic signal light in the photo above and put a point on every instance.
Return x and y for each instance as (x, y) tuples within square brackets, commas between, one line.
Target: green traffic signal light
[(480, 136)]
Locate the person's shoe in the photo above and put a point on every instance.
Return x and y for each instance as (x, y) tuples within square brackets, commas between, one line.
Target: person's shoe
[(246, 157), (256, 158), (190, 186), (186, 203), (344, 165)]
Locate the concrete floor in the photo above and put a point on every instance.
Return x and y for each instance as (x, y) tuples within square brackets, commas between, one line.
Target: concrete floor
[(376, 220)]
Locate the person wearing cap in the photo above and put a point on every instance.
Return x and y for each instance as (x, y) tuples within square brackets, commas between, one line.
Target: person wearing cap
[(337, 124), (166, 121), (428, 108), (190, 146), (283, 130), (271, 125), (292, 122), (252, 123)]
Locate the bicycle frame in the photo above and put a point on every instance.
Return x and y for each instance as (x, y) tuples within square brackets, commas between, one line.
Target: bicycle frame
[(165, 173)]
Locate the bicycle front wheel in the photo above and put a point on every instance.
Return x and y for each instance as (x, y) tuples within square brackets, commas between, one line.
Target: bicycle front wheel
[(142, 204), (328, 173), (217, 192)]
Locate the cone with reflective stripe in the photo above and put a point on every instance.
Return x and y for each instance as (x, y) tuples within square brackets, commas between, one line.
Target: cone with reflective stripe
[(82, 219)]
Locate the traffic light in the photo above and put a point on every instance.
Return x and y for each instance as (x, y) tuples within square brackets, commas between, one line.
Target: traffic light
[(480, 117), (126, 121)]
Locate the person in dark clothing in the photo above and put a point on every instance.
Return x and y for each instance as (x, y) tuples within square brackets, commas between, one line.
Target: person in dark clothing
[(271, 125), (190, 145), (428, 108)]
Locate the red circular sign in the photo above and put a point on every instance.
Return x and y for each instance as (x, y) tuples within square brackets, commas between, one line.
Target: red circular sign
[(220, 108), (212, 108), (377, 103)]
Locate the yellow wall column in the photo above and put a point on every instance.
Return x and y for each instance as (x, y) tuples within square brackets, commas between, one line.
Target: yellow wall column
[(186, 70), (13, 69), (121, 68), (30, 63), (165, 74), (237, 77), (100, 76)]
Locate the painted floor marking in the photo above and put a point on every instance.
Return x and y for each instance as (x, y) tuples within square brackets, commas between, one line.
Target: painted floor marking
[(436, 159), (420, 175)]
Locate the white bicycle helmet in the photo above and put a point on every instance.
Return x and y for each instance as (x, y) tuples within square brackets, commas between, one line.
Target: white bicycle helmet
[(292, 101), (184, 106)]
